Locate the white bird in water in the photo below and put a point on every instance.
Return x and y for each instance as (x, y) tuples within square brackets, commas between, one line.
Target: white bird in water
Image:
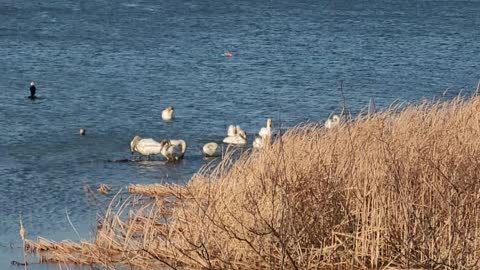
[(257, 142), (173, 150), (265, 134), (232, 131), (211, 149), (236, 135), (167, 114), (333, 122), (266, 131), (146, 147)]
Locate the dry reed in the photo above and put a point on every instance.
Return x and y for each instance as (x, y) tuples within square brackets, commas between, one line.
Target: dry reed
[(393, 190), (23, 233), (103, 189)]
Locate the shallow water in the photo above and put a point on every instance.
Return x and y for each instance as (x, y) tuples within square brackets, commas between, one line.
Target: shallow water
[(112, 66)]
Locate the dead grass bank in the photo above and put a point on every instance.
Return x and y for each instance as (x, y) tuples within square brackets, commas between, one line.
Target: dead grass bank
[(395, 189)]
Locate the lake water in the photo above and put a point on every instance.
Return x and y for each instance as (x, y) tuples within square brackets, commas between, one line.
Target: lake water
[(112, 66)]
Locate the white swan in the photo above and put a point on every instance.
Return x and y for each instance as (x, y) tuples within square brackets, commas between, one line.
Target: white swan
[(146, 147), (173, 150), (333, 122), (167, 114), (266, 131), (257, 142), (239, 135), (265, 134), (210, 149)]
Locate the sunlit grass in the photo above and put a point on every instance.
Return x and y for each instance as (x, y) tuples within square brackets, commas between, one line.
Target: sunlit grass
[(398, 188)]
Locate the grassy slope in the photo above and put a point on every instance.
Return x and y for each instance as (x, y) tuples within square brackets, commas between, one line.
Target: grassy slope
[(399, 188)]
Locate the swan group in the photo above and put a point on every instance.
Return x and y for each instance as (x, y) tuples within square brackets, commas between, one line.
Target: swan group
[(172, 150), (235, 135)]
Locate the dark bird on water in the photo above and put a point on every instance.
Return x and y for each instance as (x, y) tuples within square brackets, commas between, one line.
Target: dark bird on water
[(33, 89)]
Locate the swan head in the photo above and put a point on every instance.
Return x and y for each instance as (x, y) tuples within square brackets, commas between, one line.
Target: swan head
[(133, 143), (269, 122), (82, 132)]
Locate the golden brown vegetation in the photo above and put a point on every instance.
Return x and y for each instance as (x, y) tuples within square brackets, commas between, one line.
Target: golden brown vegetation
[(103, 189), (397, 189)]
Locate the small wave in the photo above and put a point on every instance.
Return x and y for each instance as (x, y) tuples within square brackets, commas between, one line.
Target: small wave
[(130, 5)]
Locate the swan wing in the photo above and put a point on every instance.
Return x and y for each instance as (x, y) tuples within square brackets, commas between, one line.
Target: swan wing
[(210, 149), (234, 140), (231, 131), (148, 147), (228, 139)]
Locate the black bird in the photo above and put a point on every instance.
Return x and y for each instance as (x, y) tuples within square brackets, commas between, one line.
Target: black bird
[(32, 90)]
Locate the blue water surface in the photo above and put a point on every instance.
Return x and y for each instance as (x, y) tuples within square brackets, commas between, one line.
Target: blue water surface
[(112, 66)]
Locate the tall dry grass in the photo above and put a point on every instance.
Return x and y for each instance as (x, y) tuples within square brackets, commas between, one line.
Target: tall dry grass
[(397, 189)]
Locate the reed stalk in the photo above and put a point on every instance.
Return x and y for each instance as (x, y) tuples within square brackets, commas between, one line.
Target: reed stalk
[(23, 237)]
